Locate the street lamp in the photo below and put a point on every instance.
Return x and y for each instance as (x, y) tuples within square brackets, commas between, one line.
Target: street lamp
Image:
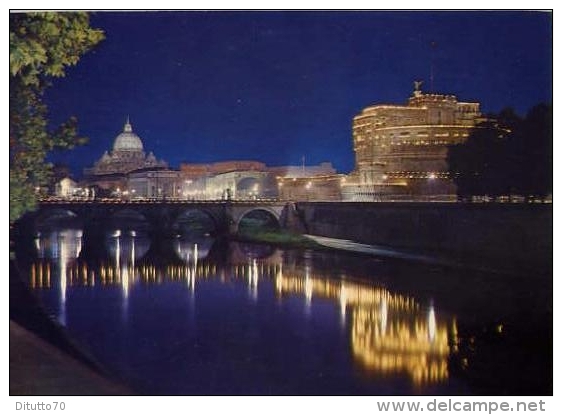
[(431, 178), (307, 187)]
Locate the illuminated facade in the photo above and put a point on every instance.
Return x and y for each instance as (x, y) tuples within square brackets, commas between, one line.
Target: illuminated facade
[(401, 150), (231, 179), (240, 179), (66, 187), (198, 170), (317, 188), (236, 185), (303, 171), (127, 155), (154, 183)]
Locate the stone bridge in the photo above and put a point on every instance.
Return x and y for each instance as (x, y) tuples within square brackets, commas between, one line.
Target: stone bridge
[(161, 216)]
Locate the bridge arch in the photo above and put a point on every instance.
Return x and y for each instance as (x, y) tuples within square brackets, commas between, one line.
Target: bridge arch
[(128, 218), (162, 217), (258, 219), (195, 221), (58, 217)]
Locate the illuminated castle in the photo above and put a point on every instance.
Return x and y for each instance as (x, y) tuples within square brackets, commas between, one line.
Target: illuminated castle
[(401, 150)]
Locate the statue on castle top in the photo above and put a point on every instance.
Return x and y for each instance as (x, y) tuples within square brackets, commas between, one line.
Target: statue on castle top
[(417, 86)]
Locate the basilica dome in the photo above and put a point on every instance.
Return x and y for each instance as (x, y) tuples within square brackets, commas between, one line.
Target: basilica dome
[(127, 140)]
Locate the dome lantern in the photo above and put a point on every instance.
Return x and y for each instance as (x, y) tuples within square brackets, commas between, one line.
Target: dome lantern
[(127, 140)]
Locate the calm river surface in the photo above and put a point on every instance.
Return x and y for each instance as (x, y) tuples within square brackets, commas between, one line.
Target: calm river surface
[(195, 315)]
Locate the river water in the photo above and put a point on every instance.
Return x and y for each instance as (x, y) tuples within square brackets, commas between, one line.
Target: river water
[(197, 315)]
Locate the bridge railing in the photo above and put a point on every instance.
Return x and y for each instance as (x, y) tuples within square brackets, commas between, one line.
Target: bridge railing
[(145, 200)]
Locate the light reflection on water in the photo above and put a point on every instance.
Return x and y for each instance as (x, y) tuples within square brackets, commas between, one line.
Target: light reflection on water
[(61, 247), (388, 334), (193, 249)]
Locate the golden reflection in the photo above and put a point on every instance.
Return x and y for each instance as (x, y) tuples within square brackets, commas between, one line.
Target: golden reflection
[(343, 301), (406, 346), (33, 276), (253, 275), (384, 316), (431, 323), (390, 334)]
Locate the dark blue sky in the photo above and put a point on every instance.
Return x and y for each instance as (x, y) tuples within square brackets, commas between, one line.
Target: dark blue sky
[(273, 86)]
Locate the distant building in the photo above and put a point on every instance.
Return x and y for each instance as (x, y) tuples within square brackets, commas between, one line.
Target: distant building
[(236, 165), (239, 185), (196, 170), (313, 188), (401, 150), (154, 183), (127, 155), (127, 172), (242, 179), (322, 169), (66, 187), (232, 179)]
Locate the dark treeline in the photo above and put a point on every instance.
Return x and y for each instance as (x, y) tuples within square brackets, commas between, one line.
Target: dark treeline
[(506, 155)]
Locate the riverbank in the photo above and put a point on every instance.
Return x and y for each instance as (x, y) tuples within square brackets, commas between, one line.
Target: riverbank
[(509, 238), (281, 238), (43, 358), (289, 240), (39, 368)]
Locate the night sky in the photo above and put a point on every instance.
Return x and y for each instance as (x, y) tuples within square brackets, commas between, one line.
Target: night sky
[(274, 86)]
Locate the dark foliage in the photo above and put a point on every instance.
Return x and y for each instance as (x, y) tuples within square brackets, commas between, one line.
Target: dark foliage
[(506, 155)]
